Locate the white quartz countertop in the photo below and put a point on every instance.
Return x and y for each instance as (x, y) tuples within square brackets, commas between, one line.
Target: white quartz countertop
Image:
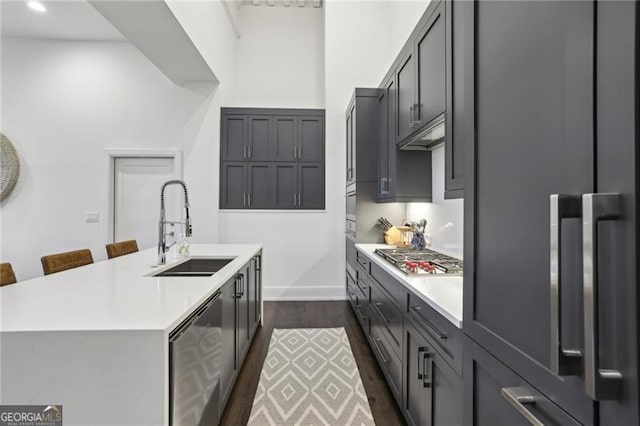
[(442, 293), (116, 294)]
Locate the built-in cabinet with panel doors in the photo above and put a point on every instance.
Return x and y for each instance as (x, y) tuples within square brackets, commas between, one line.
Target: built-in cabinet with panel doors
[(272, 159)]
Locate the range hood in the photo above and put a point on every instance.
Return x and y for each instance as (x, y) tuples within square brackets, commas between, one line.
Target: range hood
[(428, 137)]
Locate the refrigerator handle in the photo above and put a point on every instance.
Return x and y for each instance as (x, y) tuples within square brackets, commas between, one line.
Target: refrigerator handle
[(564, 362), (600, 384)]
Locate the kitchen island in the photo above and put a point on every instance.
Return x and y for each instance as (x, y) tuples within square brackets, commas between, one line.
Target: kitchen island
[(95, 339)]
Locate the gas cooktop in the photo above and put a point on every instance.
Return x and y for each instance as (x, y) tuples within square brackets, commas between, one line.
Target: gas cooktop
[(421, 262)]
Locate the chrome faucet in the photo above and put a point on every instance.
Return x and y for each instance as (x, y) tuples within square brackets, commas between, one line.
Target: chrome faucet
[(162, 228)]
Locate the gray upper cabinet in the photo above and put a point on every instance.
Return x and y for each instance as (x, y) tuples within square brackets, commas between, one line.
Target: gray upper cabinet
[(351, 147), (278, 159), (259, 138), (310, 139), (545, 125), (430, 75), (405, 107), (362, 135), (233, 137), (285, 138)]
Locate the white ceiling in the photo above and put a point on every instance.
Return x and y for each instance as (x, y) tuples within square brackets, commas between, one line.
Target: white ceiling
[(66, 20), (284, 3)]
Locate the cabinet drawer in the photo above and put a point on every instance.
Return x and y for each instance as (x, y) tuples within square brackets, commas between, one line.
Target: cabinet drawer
[(389, 285), (362, 313), (363, 261), (388, 317), (362, 282), (351, 287), (448, 338), (389, 362), (491, 391)]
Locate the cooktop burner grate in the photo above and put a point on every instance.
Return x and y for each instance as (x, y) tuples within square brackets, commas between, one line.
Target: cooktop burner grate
[(422, 262)]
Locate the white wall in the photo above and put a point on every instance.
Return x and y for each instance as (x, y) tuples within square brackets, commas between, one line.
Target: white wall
[(280, 57)]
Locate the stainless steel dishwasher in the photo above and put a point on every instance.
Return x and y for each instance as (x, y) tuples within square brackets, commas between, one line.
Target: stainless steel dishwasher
[(195, 366)]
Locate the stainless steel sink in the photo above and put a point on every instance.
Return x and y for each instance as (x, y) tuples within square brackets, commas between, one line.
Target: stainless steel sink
[(197, 267)]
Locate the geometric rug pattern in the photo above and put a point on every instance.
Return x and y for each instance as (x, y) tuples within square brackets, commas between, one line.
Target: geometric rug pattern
[(310, 377)]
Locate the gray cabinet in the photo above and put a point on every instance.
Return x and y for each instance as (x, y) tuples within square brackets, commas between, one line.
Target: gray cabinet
[(310, 186), (278, 159), (432, 389), (405, 90), (259, 141), (362, 135), (403, 176), (285, 137), (310, 139), (233, 137), (544, 125), (241, 315), (495, 395), (429, 49)]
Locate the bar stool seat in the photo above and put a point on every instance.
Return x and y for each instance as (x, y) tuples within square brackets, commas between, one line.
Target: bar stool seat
[(62, 261), (7, 276), (121, 248)]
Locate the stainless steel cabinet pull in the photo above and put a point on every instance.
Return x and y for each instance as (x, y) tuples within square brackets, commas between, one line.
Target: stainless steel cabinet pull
[(249, 151), (421, 349), (249, 199), (416, 310), (299, 200), (294, 199), (411, 116), (244, 152), (244, 199), (427, 378), (294, 152), (377, 306), (379, 349), (520, 398), (564, 362), (600, 384)]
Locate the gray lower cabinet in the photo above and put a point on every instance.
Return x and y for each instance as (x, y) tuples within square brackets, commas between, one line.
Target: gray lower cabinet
[(432, 389), (259, 185), (495, 395), (285, 182), (418, 351), (233, 183), (310, 186), (241, 316)]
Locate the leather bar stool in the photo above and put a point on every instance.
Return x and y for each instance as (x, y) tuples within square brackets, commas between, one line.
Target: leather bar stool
[(121, 248), (7, 276), (63, 261)]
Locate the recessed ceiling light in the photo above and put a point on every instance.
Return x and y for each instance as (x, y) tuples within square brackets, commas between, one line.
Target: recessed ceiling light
[(37, 6)]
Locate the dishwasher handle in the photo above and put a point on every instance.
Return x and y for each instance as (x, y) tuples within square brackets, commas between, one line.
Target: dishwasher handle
[(184, 325)]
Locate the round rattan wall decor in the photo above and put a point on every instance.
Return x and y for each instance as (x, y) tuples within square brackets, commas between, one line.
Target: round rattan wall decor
[(9, 166)]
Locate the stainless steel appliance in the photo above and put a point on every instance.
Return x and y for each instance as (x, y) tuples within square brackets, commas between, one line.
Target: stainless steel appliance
[(422, 262), (195, 349)]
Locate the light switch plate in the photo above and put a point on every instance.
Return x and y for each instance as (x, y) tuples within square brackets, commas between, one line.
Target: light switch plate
[(91, 217)]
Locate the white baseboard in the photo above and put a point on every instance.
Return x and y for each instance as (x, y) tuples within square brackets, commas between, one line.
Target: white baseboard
[(304, 293)]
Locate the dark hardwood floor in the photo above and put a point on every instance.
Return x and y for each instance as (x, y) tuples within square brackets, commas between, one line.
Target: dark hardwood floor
[(311, 315)]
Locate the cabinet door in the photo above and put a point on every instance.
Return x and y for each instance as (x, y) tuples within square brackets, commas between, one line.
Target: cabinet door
[(491, 389), (383, 144), (405, 112), (430, 60), (310, 186), (285, 181), (285, 133), (259, 138), (417, 399), (229, 359), (311, 139), (233, 194), (459, 114), (351, 176), (234, 137), (259, 191), (242, 299), (392, 150), (534, 137)]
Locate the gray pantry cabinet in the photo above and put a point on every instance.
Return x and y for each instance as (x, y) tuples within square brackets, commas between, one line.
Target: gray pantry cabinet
[(272, 159), (551, 220)]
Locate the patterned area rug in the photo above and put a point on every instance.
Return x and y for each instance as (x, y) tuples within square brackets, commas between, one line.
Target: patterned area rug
[(310, 378)]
